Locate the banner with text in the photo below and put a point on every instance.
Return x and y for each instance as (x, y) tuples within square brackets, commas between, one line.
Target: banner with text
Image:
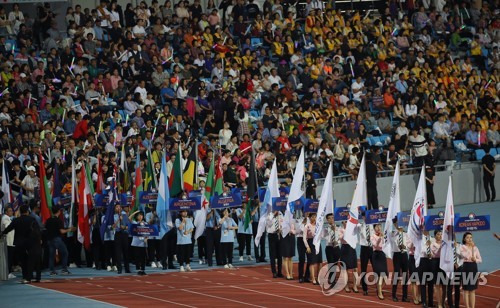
[(143, 230), (226, 200), (472, 223)]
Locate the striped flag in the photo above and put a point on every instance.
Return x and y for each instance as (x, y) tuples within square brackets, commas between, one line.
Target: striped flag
[(84, 207), (162, 203), (392, 212), (149, 178), (360, 198), (418, 212), (189, 173), (446, 261)]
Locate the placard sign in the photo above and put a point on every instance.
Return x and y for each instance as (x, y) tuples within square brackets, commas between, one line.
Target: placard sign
[(311, 206), (375, 216), (435, 222), (148, 197), (126, 199), (403, 219), (279, 203), (342, 213), (185, 204), (143, 230), (225, 200), (472, 223)]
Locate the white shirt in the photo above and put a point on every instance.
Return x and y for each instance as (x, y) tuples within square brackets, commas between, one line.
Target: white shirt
[(104, 21), (6, 220), (275, 79), (331, 236), (411, 109), (142, 91), (271, 222), (395, 237), (362, 233), (357, 86), (138, 30), (440, 129)]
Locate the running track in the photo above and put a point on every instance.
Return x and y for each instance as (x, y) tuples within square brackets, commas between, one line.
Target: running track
[(246, 286)]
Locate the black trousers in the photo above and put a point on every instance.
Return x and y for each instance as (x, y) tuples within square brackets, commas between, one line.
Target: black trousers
[(34, 263), (22, 256), (97, 254), (489, 184), (109, 248), (332, 254), (372, 198), (400, 263), (260, 252), (426, 285), (121, 251), (218, 247), (183, 253), (301, 249), (244, 240), (454, 285), (275, 252), (210, 244), (227, 253), (140, 257), (153, 250), (365, 255), (10, 257), (202, 254), (168, 247)]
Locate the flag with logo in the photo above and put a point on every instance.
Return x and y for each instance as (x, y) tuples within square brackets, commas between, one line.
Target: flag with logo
[(324, 207), (446, 261), (418, 212), (392, 212), (359, 199), (295, 194), (272, 191)]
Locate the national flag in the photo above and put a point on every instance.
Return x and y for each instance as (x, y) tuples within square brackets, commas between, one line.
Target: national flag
[(189, 173), (109, 217), (125, 180), (325, 206), (392, 212), (84, 207), (7, 197), (251, 189), (162, 203), (201, 217), (175, 178), (359, 199), (295, 194), (150, 177), (272, 191), (418, 212), (74, 197), (100, 187), (446, 261), (219, 179), (88, 173), (18, 201), (137, 189), (57, 187), (45, 197)]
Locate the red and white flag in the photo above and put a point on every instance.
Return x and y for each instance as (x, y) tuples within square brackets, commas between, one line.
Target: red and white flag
[(84, 207)]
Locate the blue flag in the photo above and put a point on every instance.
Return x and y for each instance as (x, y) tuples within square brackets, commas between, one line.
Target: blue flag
[(18, 201), (162, 203), (109, 217)]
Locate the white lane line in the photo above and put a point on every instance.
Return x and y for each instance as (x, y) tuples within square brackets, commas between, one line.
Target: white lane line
[(162, 300), (285, 297), (222, 298)]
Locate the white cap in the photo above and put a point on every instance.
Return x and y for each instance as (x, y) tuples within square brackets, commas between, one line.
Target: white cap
[(31, 168)]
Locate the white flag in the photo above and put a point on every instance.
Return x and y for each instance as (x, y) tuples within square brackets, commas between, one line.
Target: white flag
[(200, 218), (273, 191), (359, 199), (446, 261), (392, 212), (418, 212), (7, 197), (325, 206), (295, 194)]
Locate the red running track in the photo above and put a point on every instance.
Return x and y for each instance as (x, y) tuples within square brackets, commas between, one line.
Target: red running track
[(246, 286)]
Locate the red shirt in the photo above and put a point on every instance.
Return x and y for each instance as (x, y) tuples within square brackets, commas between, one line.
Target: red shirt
[(81, 129), (245, 147)]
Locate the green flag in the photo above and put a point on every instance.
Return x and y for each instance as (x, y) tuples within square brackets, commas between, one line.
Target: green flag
[(175, 178)]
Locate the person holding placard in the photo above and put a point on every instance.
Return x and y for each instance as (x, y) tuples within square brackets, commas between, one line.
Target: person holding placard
[(300, 224), (400, 262), (331, 235), (348, 256), (227, 226), (470, 253), (379, 260), (273, 229), (288, 251), (436, 256), (366, 251), (424, 270), (314, 258), (244, 234), (140, 243), (185, 227)]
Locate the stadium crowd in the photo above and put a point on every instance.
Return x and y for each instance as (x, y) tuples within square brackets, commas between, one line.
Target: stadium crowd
[(416, 81)]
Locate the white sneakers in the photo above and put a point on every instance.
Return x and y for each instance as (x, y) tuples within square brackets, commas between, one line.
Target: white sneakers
[(109, 269), (115, 268), (182, 269), (11, 276), (158, 264), (241, 259), (188, 268), (226, 266), (249, 258), (72, 265), (201, 262), (231, 266), (153, 265)]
